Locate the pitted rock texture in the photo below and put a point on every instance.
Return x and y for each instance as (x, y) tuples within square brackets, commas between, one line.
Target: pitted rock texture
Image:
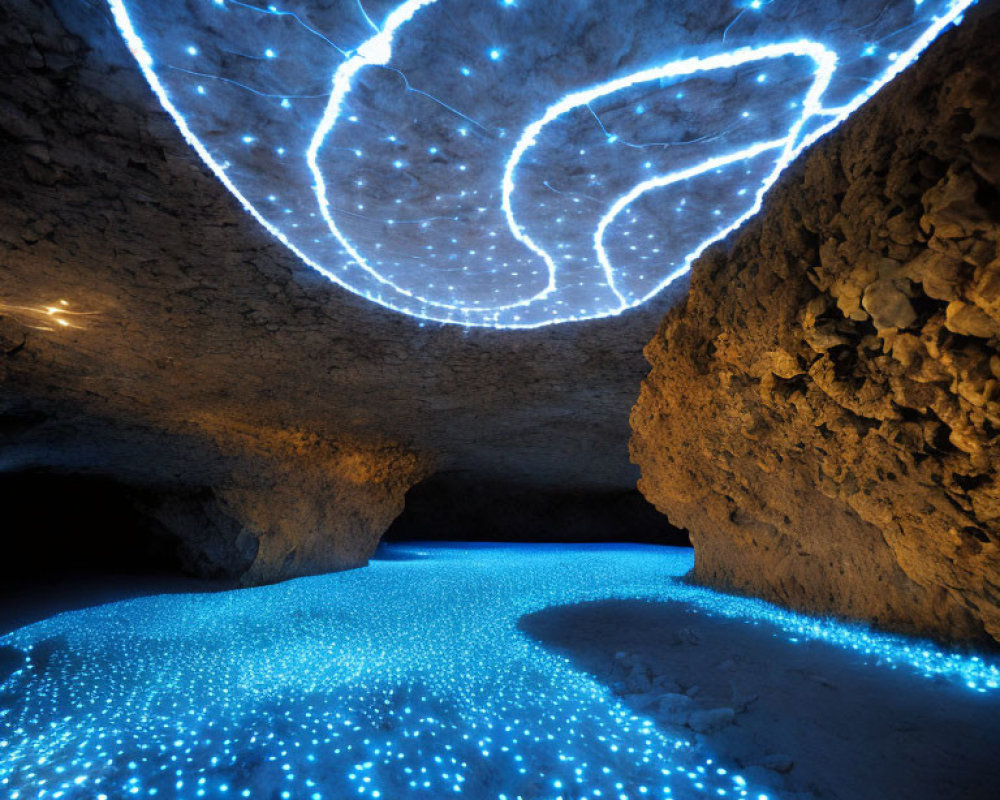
[(822, 411), (278, 419)]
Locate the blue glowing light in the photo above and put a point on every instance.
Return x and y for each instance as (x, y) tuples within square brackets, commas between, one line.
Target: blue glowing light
[(719, 114), (406, 679)]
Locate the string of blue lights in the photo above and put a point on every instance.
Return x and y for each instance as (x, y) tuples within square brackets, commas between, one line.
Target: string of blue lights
[(677, 133), (406, 679)]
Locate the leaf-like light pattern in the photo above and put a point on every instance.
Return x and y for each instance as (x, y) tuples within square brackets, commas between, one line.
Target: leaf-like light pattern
[(409, 678), (513, 163)]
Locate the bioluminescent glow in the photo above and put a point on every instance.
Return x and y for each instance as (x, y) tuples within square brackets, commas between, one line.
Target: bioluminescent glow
[(513, 164), (406, 679)]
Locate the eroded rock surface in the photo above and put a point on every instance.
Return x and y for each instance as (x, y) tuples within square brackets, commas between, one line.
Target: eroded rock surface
[(279, 419), (822, 411)]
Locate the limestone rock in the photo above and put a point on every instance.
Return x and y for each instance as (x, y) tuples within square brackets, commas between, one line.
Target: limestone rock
[(969, 320), (714, 719), (822, 412), (888, 305), (675, 708)]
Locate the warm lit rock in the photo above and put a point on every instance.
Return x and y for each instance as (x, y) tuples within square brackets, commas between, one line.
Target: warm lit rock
[(823, 411)]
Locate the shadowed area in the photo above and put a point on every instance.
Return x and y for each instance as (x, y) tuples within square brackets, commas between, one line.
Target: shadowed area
[(457, 506), (802, 713), (82, 541)]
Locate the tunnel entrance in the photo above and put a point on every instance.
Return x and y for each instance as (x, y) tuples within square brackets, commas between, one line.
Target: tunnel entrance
[(460, 507), (74, 540)]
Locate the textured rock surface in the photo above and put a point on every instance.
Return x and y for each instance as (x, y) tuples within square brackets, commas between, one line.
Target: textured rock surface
[(822, 411), (258, 400)]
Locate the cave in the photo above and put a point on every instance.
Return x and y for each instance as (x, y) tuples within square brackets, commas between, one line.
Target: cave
[(499, 399)]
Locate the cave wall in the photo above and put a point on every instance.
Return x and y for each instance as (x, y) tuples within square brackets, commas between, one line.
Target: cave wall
[(279, 419), (822, 411)]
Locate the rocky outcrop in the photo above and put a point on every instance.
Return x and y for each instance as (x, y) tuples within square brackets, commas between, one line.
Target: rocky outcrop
[(314, 506), (823, 410)]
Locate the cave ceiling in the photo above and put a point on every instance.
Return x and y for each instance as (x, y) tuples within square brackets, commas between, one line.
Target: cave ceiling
[(512, 163), (144, 310)]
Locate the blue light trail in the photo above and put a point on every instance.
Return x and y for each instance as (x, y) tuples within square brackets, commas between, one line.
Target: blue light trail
[(496, 104)]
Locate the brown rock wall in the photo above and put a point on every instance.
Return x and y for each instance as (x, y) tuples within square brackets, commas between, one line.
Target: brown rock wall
[(822, 412)]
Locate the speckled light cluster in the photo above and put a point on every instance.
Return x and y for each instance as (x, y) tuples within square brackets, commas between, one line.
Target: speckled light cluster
[(513, 163), (405, 679)]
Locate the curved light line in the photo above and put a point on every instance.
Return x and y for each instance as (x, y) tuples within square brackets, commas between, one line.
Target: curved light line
[(378, 50), (375, 52), (666, 180), (145, 61), (839, 114), (824, 59)]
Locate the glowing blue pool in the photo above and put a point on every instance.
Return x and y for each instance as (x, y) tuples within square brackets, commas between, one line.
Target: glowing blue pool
[(406, 679)]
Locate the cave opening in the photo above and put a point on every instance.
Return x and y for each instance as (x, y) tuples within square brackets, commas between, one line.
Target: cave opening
[(80, 540), (460, 507)]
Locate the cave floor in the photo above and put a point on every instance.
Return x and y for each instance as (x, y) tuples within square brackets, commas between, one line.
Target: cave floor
[(487, 671)]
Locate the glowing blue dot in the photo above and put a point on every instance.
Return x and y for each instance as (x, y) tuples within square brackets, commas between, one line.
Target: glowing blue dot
[(494, 54), (192, 50), (285, 103), (200, 89), (270, 53), (465, 71), (248, 139), (397, 164)]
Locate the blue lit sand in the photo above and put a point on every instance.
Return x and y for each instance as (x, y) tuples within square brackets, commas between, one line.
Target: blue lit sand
[(406, 679), (513, 163)]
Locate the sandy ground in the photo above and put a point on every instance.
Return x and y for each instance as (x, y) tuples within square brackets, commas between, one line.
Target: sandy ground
[(826, 725)]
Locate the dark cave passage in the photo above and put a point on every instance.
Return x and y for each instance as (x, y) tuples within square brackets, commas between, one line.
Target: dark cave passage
[(73, 541), (458, 507), (69, 524)]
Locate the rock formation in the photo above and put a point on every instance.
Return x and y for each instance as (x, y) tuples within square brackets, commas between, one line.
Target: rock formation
[(822, 411), (268, 419)]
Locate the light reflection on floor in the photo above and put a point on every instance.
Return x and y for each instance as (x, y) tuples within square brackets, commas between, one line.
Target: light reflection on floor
[(409, 678)]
